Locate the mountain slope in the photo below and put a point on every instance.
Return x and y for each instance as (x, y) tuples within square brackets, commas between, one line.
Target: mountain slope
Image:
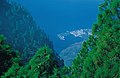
[(20, 30), (70, 53)]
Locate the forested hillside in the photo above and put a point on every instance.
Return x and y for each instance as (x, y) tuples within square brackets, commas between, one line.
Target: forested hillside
[(98, 58), (20, 30), (42, 63)]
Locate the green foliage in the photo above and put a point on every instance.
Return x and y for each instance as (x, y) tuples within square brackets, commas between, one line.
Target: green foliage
[(98, 58), (12, 72), (77, 66), (101, 57), (63, 72), (7, 56), (40, 66)]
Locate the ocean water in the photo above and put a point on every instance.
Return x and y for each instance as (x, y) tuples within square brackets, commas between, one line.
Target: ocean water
[(59, 16)]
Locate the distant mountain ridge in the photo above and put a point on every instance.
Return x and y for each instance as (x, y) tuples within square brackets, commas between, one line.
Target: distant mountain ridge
[(70, 53)]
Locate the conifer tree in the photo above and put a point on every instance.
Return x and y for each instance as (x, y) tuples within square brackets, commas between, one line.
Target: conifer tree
[(61, 72), (7, 56), (40, 66), (103, 57), (12, 72)]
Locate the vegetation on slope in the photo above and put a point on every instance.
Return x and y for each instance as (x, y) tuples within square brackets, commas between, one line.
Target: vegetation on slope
[(40, 66), (98, 58), (20, 30), (7, 56)]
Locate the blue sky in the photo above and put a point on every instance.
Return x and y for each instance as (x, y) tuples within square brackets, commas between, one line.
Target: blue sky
[(51, 14)]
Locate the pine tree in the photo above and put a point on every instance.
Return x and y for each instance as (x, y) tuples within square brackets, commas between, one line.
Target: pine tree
[(8, 56), (12, 72), (40, 66), (102, 58), (77, 65), (63, 72)]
